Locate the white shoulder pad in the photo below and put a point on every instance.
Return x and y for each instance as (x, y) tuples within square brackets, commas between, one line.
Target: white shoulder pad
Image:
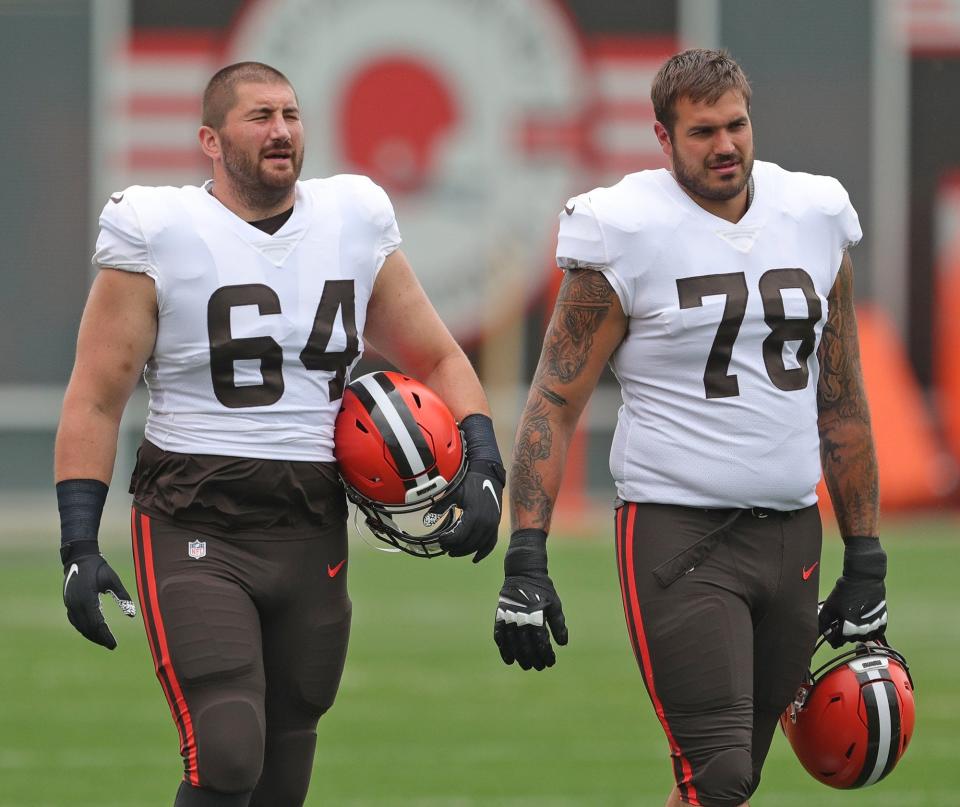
[(616, 225), (368, 197), (823, 196), (364, 198), (590, 238), (121, 243)]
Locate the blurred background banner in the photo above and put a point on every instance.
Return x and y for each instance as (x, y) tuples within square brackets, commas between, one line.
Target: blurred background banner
[(480, 118)]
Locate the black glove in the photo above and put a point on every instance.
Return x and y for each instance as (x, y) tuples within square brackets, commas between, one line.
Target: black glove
[(528, 604), (85, 578), (86, 575), (479, 495), (856, 609)]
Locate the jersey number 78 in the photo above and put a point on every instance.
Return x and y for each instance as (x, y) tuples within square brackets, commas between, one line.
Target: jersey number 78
[(717, 382)]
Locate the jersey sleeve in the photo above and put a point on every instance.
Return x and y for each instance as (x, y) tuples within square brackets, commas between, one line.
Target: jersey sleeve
[(835, 203), (580, 242), (121, 243), (848, 223), (585, 243)]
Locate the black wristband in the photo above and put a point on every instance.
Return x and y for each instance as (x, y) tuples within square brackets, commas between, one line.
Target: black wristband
[(480, 439), (864, 558), (80, 502), (77, 549), (527, 552)]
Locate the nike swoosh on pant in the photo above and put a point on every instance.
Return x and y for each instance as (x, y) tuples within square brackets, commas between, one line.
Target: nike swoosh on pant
[(333, 571)]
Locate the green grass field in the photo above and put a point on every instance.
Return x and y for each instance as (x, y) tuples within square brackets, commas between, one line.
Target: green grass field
[(427, 715)]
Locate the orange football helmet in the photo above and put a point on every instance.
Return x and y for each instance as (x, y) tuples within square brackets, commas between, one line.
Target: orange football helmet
[(400, 452), (852, 720)]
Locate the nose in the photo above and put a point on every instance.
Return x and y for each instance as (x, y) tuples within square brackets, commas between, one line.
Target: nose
[(279, 130), (722, 142)]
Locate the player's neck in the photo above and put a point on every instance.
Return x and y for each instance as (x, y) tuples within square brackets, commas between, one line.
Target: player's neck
[(730, 209), (247, 208)]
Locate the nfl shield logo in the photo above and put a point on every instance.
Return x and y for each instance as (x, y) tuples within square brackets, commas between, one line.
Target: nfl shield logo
[(197, 549)]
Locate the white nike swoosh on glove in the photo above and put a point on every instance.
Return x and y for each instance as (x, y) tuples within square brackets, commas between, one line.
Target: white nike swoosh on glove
[(488, 485), (74, 569), (876, 610)]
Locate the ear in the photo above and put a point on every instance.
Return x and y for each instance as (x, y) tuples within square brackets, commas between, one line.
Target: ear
[(663, 137), (209, 142)]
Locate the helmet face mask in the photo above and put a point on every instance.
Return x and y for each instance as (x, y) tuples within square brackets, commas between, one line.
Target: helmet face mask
[(401, 456), (853, 718)]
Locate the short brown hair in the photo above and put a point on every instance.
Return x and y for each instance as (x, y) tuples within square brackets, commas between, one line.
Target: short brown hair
[(698, 74), (221, 92)]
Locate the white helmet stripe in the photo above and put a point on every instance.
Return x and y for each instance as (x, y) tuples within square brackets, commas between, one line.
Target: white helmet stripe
[(883, 724), (392, 417)]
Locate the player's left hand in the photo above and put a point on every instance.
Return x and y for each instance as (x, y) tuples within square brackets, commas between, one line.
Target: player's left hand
[(479, 495), (856, 609)]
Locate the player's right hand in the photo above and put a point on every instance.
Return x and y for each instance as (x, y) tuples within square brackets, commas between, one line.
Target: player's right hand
[(84, 579), (528, 604)]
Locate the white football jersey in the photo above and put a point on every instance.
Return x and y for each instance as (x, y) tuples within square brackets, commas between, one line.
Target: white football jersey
[(257, 333), (719, 366)]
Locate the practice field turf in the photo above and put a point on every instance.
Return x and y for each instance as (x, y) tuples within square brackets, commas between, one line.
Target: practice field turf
[(427, 715)]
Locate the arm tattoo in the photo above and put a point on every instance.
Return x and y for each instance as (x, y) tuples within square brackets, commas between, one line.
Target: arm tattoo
[(534, 444), (840, 391), (554, 397), (846, 441), (582, 305)]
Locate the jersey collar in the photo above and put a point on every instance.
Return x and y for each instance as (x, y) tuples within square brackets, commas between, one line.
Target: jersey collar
[(673, 187)]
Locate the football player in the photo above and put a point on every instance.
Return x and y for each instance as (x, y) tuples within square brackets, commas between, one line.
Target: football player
[(248, 300), (721, 293)]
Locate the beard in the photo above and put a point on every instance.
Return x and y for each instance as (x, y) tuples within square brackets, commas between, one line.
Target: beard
[(697, 180), (257, 186)]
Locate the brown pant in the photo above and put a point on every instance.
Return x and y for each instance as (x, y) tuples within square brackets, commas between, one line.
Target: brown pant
[(248, 641), (723, 630)]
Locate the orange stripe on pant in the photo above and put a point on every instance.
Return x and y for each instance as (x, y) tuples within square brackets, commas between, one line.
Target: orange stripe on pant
[(157, 639), (631, 607)]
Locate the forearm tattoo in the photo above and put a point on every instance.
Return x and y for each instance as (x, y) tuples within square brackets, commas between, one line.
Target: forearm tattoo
[(555, 398), (846, 441), (534, 444), (583, 304)]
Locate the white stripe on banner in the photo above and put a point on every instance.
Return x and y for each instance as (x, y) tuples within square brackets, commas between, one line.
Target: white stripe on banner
[(396, 423), (883, 714)]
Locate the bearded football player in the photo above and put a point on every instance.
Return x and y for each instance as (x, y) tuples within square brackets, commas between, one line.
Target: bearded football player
[(247, 301), (721, 292)]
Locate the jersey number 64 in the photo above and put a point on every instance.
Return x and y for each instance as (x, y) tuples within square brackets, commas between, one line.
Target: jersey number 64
[(337, 295)]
